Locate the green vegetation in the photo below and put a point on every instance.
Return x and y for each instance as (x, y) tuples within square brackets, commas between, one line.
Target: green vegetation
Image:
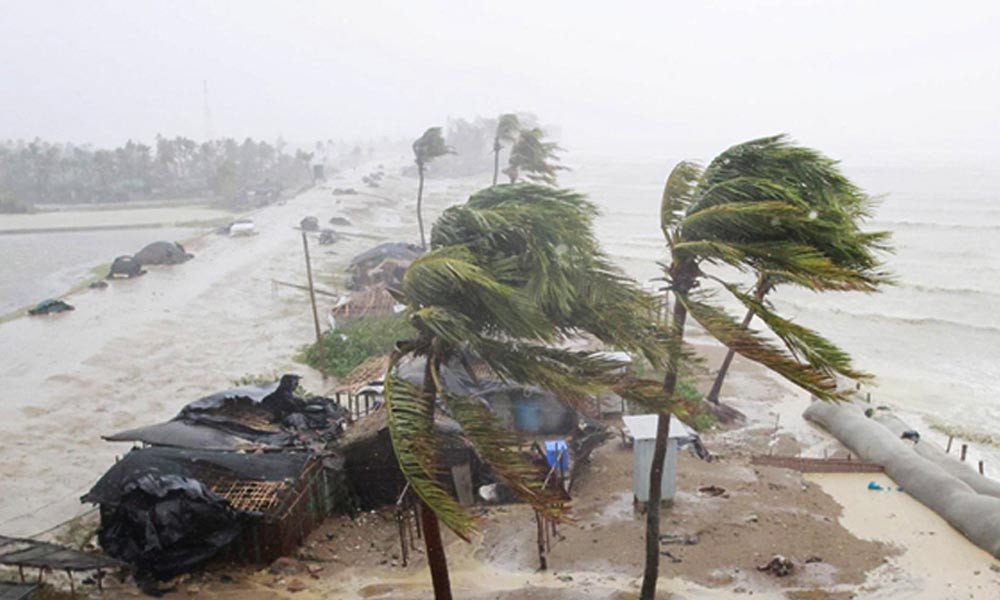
[(836, 202), (508, 126), (340, 351), (747, 210), (9, 204), (38, 172), (511, 273), (426, 148), (534, 158)]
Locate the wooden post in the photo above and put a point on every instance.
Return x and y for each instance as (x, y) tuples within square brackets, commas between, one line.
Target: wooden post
[(402, 535), (72, 586), (965, 447), (312, 292), (20, 571), (541, 541), (981, 468), (948, 449), (868, 397)]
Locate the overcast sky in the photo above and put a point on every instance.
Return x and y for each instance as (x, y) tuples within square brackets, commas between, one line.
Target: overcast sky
[(865, 80)]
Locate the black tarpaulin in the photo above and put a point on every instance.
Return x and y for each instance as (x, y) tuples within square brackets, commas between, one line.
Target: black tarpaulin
[(269, 415), (161, 512), (16, 591), (21, 552)]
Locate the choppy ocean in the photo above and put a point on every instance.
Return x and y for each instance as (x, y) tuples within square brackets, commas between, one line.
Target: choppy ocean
[(932, 341)]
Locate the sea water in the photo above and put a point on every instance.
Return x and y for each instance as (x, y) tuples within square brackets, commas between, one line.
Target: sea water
[(932, 341)]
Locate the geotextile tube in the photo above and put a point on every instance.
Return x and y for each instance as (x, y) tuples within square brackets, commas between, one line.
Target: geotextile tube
[(937, 455), (976, 515)]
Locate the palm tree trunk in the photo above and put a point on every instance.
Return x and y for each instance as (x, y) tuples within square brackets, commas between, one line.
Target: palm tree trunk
[(713, 395), (652, 571), (496, 162), (436, 559), (437, 562), (420, 200)]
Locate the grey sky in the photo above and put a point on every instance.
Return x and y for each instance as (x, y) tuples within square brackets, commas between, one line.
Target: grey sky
[(866, 80)]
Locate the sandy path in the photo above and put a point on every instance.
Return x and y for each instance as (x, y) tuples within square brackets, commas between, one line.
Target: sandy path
[(136, 352)]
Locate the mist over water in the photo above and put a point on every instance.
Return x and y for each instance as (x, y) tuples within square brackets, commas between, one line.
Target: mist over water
[(932, 341)]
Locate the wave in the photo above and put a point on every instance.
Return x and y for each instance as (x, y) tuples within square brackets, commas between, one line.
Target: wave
[(916, 321), (956, 291), (926, 225), (963, 432)]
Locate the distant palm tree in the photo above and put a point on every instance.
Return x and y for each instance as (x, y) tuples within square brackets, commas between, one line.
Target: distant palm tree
[(512, 272), (507, 128), (426, 148), (533, 157), (835, 200), (727, 215)]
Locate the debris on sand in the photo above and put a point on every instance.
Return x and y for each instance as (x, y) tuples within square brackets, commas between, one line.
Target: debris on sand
[(50, 306), (712, 490), (327, 237), (340, 221), (309, 223), (779, 566), (677, 538)]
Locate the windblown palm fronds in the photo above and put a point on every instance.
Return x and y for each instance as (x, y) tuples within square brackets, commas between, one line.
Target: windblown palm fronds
[(787, 215), (508, 126), (536, 159), (426, 148), (510, 274)]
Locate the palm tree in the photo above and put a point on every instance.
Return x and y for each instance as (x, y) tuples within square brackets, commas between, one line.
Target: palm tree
[(426, 148), (507, 128), (535, 158), (835, 199), (730, 215), (511, 273)]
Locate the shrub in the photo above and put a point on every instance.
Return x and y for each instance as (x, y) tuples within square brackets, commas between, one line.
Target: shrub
[(340, 351)]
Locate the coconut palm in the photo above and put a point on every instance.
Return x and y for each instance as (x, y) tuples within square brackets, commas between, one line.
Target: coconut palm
[(833, 198), (533, 157), (507, 128), (511, 274), (757, 221), (426, 148)]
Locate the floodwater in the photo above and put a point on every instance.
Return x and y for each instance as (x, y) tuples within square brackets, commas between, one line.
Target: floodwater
[(45, 259)]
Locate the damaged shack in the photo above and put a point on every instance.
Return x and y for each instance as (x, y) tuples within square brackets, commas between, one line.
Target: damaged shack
[(385, 263), (239, 475), (541, 420)]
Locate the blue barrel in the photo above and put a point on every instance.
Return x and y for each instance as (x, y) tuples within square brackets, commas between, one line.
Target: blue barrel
[(528, 415)]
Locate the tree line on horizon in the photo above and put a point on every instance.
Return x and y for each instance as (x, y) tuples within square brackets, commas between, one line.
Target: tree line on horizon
[(40, 172)]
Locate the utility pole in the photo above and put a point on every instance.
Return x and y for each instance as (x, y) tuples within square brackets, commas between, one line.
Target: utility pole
[(312, 292)]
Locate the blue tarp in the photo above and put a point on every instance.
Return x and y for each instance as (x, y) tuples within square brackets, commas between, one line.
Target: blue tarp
[(552, 450)]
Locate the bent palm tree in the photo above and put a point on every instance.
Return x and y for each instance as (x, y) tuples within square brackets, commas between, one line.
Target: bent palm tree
[(511, 273), (507, 128), (730, 215), (536, 159), (426, 148), (833, 198)]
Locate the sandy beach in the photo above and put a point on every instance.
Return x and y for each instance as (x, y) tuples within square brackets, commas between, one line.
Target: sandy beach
[(136, 352)]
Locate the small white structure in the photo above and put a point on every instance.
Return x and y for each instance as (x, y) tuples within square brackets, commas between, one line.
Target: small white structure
[(642, 428), (242, 227)]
